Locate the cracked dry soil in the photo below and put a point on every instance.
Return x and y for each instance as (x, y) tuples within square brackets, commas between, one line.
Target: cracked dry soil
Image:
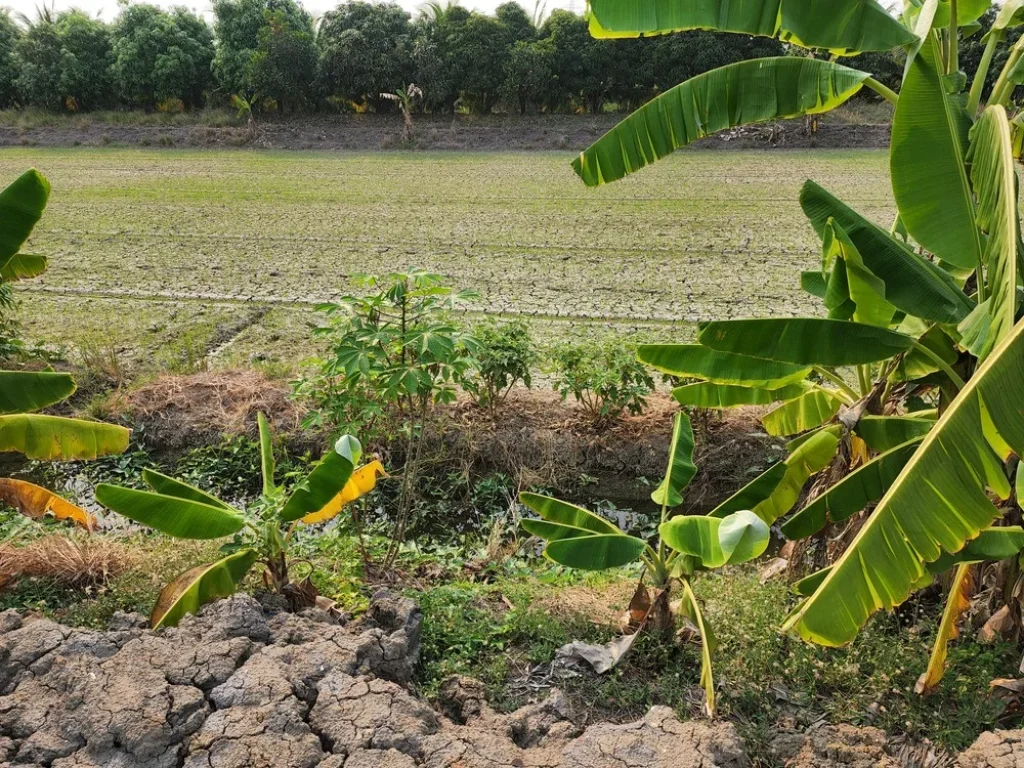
[(235, 687)]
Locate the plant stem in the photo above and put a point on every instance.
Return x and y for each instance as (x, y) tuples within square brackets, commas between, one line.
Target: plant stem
[(953, 59), (864, 378), (1003, 88), (974, 99), (942, 364), (884, 91), (706, 675), (839, 395), (838, 381), (664, 517), (656, 565)]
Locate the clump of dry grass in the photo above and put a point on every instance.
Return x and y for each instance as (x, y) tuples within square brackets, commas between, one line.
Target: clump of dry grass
[(78, 562), (183, 411)]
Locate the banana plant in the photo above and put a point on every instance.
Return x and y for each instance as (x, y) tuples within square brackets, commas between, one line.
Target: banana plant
[(915, 364), (687, 544), (24, 392), (260, 533)]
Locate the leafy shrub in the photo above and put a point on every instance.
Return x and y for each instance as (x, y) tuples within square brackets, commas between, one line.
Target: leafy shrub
[(604, 377), (504, 355), (395, 354)]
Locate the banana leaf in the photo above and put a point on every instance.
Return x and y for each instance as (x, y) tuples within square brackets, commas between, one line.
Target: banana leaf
[(967, 12), (266, 453), (995, 184), (22, 266), (992, 544), (883, 433), (53, 438), (168, 486), (807, 460), (35, 501), (912, 284), (805, 341), (22, 391), (957, 604), (181, 518), (738, 538), (810, 410), (814, 282), (754, 492), (853, 292), (833, 429), (939, 502), (578, 538), (681, 469), (694, 361), (738, 94), (850, 495), (927, 164), (21, 206), (200, 585), (705, 394), (326, 481), (1011, 14), (916, 365), (845, 27), (363, 481)]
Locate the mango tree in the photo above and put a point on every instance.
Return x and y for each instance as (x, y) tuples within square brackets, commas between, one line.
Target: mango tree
[(915, 366), (261, 533), (687, 544), (25, 392)]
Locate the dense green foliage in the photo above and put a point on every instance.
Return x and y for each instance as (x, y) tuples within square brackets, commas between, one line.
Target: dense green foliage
[(365, 50), (271, 53), (10, 33), (64, 62), (161, 55)]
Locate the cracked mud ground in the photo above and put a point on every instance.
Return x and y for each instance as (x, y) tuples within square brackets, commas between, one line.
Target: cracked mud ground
[(235, 687)]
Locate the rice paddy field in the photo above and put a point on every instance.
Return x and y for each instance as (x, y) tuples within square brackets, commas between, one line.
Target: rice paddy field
[(219, 256)]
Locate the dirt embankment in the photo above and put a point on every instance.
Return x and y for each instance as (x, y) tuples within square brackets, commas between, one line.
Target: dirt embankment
[(243, 685), (534, 438), (376, 132)]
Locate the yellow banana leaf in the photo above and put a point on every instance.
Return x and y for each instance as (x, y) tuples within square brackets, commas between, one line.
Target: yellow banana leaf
[(363, 481), (35, 501)]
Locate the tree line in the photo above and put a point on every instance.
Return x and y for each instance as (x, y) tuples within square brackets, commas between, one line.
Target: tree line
[(278, 57), (275, 54)]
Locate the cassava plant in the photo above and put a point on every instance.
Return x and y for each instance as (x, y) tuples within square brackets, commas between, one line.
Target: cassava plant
[(25, 392), (259, 534), (603, 376), (394, 355), (908, 389), (686, 545), (504, 356)]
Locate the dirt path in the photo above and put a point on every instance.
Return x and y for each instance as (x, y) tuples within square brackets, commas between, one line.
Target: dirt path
[(372, 132)]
